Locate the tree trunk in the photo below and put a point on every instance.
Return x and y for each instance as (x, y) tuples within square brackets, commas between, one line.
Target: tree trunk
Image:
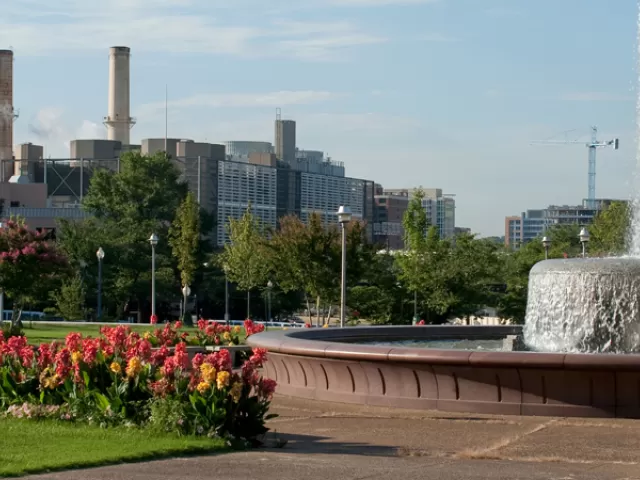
[(248, 303), (318, 311), (306, 297), (16, 317), (329, 315)]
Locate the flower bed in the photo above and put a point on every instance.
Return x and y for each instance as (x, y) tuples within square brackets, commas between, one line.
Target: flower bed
[(120, 377)]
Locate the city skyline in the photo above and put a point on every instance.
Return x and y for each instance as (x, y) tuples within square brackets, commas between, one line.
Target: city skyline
[(450, 93)]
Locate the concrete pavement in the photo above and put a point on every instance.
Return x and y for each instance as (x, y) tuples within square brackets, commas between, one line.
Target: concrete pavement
[(353, 442)]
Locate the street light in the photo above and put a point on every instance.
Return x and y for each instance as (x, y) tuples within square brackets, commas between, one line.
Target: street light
[(227, 317), (546, 243), (100, 255), (584, 239), (269, 288), (186, 291), (153, 240), (344, 217)]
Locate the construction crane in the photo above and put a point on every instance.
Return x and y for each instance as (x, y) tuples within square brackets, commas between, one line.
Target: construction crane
[(593, 145)]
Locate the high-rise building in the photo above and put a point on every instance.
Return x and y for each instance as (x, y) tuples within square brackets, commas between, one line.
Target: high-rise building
[(440, 208), (285, 147)]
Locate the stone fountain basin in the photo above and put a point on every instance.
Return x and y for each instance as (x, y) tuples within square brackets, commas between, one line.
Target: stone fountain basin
[(318, 364)]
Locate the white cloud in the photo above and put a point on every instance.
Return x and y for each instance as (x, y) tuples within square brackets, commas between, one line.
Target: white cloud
[(174, 26), (238, 100)]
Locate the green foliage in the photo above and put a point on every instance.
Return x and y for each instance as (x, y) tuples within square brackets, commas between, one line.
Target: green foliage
[(70, 299), (307, 257), (372, 302), (245, 256), (184, 238), (610, 230), (128, 206)]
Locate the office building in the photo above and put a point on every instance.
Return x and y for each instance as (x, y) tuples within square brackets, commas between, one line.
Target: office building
[(440, 208), (533, 224)]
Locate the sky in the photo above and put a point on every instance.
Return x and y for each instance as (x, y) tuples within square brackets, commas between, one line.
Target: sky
[(435, 93)]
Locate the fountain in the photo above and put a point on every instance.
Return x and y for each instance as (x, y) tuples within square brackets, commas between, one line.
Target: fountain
[(589, 305)]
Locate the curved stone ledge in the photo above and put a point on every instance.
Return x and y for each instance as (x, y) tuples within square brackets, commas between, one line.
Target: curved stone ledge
[(311, 364)]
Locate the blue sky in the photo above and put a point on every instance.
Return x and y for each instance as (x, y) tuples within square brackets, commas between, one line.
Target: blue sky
[(440, 93)]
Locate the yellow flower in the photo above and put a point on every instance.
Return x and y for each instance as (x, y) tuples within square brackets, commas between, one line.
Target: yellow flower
[(285, 328), (134, 367), (76, 357), (237, 329), (203, 387), (326, 325), (236, 392), (222, 380), (147, 335), (226, 336), (115, 368), (208, 372)]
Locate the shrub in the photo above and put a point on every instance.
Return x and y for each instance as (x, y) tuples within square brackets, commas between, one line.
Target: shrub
[(120, 378)]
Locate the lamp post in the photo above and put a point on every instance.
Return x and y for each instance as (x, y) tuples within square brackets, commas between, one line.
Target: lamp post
[(227, 317), (584, 239), (344, 217), (100, 255), (186, 291), (269, 288), (153, 240), (546, 243)]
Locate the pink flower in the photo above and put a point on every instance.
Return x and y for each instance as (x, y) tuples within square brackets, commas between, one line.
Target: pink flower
[(154, 319), (178, 325), (421, 322), (73, 340), (198, 359)]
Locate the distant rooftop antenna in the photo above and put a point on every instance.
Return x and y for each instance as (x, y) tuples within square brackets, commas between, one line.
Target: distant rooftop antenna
[(166, 116), (278, 114)]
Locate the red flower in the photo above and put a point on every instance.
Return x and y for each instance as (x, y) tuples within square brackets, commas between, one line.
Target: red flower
[(154, 319), (259, 356), (421, 322), (307, 325), (266, 388), (178, 325), (158, 357)]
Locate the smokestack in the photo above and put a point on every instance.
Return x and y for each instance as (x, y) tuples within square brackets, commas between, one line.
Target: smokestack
[(119, 121), (6, 105)]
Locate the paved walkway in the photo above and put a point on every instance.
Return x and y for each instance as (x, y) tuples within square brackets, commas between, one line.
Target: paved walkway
[(346, 442)]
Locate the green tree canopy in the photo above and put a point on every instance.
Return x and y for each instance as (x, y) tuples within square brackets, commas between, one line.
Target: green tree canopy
[(245, 256)]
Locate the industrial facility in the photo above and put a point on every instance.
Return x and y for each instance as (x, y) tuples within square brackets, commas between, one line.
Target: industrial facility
[(276, 179)]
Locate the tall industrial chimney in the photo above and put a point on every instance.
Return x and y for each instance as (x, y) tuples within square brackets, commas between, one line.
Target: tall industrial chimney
[(119, 121), (7, 113)]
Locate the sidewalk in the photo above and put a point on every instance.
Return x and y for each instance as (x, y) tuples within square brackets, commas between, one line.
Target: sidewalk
[(354, 442)]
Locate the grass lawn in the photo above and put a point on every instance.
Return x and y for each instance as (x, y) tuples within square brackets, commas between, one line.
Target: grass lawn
[(38, 333), (30, 446)]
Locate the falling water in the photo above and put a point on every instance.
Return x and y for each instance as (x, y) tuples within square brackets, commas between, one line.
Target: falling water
[(584, 305), (634, 231)]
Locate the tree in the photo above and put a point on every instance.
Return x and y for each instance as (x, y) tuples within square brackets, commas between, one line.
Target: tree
[(184, 238), (307, 257), (70, 299), (610, 230), (128, 206), (245, 256), (30, 266)]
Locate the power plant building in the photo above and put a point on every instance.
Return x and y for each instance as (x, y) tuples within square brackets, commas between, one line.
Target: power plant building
[(274, 179)]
